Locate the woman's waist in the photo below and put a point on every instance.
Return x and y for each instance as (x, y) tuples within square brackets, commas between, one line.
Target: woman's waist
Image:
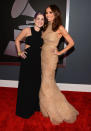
[(27, 49), (49, 45)]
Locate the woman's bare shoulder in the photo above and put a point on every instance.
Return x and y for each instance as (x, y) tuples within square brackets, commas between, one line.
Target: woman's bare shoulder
[(27, 31), (61, 28)]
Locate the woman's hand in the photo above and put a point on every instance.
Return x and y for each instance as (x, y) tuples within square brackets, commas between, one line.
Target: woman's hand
[(56, 52), (22, 54)]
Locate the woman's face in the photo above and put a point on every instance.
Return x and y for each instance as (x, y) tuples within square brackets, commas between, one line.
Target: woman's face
[(39, 20), (49, 15)]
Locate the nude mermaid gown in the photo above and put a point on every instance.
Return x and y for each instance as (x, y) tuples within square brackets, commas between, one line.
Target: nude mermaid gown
[(53, 103)]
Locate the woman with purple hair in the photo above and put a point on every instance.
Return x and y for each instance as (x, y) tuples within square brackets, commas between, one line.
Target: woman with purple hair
[(30, 69)]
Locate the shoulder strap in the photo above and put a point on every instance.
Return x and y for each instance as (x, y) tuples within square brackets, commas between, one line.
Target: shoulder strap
[(32, 30)]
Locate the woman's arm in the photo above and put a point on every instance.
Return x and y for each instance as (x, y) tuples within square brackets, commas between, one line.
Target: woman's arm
[(68, 38), (24, 33)]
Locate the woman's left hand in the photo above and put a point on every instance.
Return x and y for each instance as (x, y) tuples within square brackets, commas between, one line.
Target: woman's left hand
[(56, 52)]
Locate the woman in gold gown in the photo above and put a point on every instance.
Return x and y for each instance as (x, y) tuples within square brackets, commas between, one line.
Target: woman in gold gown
[(53, 103)]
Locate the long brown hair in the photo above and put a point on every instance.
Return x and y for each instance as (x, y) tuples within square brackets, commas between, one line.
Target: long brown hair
[(57, 20)]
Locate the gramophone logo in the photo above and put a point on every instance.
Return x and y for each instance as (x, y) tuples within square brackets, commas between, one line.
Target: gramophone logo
[(24, 8)]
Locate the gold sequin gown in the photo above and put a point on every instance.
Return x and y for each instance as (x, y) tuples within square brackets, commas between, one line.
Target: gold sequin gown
[(53, 103)]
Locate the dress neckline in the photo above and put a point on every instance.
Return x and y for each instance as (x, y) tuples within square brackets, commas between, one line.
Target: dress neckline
[(35, 30)]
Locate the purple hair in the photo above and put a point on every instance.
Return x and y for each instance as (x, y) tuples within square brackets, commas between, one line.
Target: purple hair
[(38, 13)]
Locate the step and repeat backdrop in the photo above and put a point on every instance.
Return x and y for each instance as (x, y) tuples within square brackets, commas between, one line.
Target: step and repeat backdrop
[(18, 14), (15, 15)]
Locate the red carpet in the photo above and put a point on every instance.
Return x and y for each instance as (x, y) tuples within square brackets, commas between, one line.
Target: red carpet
[(10, 122)]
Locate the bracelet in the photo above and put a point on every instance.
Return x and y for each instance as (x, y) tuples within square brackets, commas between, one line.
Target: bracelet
[(19, 53)]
